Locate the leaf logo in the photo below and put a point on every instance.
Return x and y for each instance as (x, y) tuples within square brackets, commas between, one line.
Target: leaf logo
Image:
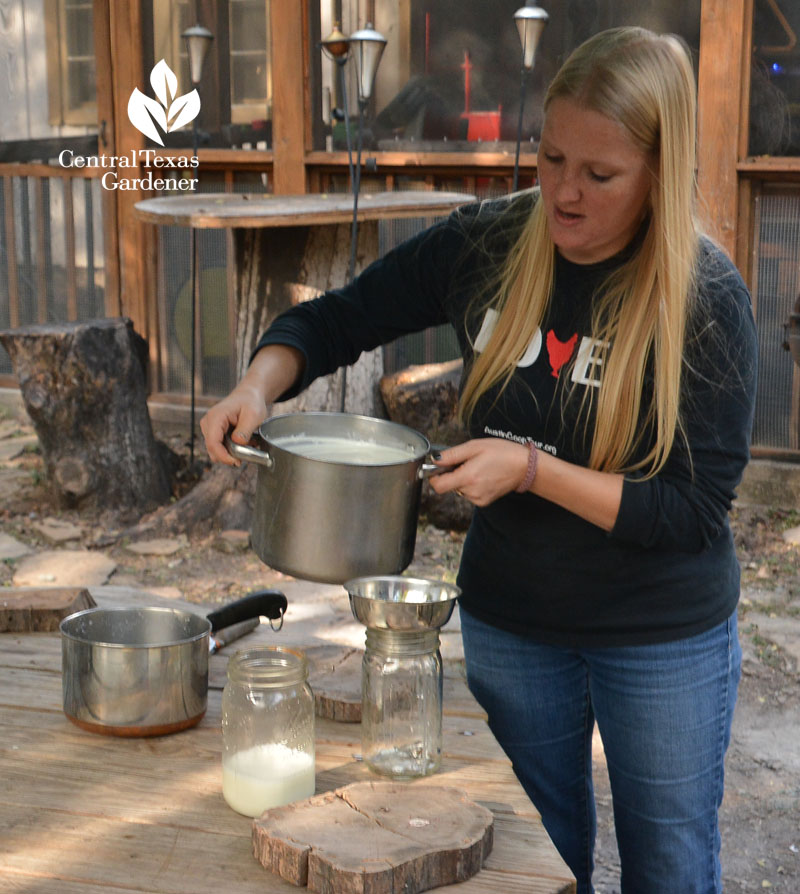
[(170, 112)]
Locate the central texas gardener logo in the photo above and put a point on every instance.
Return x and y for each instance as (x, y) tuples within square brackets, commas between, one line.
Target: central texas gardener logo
[(170, 112)]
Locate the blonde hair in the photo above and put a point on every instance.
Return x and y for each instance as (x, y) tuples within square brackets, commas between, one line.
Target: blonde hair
[(645, 82)]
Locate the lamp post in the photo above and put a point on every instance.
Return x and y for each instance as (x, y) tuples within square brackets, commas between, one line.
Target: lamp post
[(530, 20), (366, 46), (198, 40), (337, 48)]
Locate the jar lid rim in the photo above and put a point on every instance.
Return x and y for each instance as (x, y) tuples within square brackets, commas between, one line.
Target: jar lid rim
[(268, 665)]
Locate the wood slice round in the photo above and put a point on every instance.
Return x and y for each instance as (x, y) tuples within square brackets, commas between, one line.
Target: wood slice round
[(376, 837)]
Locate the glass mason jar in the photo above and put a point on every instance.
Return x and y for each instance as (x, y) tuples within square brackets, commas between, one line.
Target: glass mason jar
[(267, 730), (401, 714)]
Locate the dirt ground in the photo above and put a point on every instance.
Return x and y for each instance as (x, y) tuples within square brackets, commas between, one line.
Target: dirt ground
[(761, 811)]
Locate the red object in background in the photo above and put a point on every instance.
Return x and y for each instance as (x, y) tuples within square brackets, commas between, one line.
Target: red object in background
[(483, 125), (480, 125)]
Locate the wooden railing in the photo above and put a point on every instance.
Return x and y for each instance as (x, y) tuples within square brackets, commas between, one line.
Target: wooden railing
[(52, 259)]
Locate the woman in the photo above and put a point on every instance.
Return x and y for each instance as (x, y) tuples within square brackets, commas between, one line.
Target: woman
[(609, 382)]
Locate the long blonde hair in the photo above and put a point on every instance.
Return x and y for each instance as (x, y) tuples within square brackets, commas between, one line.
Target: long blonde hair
[(645, 82)]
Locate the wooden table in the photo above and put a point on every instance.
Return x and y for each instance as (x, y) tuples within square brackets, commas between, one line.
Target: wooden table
[(84, 814), (289, 249)]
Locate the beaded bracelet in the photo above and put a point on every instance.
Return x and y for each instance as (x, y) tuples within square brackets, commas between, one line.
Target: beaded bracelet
[(530, 474)]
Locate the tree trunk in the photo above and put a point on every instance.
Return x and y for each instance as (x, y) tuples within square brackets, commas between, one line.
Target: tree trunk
[(83, 386)]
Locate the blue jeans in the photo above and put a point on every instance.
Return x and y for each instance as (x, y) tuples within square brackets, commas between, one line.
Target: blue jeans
[(664, 713)]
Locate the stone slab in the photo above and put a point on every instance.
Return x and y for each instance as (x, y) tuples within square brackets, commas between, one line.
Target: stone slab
[(64, 568), (164, 546), (11, 480), (57, 530), (11, 448), (783, 631), (770, 483), (11, 548), (792, 535)]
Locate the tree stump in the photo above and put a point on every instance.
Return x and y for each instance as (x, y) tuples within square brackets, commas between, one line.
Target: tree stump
[(83, 385)]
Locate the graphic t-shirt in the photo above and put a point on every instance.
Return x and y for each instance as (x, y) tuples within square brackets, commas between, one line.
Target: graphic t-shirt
[(668, 569)]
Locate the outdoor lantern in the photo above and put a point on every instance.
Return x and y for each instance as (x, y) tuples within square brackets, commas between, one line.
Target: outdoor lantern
[(198, 40), (368, 45), (336, 46), (530, 21)]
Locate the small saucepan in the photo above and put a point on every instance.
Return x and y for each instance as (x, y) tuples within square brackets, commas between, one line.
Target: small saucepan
[(144, 671)]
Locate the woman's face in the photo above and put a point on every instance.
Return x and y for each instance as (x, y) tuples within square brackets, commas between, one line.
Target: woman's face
[(594, 181)]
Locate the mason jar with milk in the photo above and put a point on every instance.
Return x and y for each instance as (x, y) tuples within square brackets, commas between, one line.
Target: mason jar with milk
[(267, 730)]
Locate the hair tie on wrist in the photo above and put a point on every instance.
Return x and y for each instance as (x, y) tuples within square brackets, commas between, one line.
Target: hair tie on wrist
[(530, 474)]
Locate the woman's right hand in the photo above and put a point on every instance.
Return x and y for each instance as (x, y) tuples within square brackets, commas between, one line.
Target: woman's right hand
[(243, 410), (273, 370)]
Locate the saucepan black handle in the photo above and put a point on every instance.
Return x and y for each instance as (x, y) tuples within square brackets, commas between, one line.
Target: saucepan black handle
[(267, 603)]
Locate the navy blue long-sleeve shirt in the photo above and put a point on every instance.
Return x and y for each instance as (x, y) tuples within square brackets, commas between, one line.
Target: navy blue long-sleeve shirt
[(668, 569)]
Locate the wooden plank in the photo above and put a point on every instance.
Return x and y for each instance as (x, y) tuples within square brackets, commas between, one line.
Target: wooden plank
[(227, 159), (288, 116), (41, 249), (48, 762), (27, 151), (83, 813), (230, 277), (409, 160), (55, 42), (136, 270), (89, 227), (39, 689), (11, 251), (745, 235), (99, 850), (746, 56), (721, 81), (69, 251), (122, 810), (492, 784), (40, 608), (42, 170), (107, 143), (23, 882), (160, 323), (769, 165), (257, 210), (491, 883)]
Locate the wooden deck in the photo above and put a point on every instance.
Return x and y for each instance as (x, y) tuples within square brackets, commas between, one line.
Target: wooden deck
[(82, 813)]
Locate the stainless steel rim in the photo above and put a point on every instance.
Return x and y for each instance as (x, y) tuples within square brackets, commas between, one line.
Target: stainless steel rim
[(73, 621)]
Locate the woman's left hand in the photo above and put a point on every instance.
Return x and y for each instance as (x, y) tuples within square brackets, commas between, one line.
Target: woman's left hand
[(485, 469)]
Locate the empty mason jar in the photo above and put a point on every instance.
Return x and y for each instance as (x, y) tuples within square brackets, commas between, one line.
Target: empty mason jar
[(401, 713), (267, 730)]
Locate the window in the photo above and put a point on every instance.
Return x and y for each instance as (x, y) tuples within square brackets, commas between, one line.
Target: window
[(449, 79), (775, 79), (236, 89), (72, 90), (251, 81)]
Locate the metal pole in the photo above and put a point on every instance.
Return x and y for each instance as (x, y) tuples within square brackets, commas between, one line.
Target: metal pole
[(515, 182), (194, 303)]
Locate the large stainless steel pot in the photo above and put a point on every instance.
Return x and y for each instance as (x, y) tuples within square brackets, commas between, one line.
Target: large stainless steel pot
[(332, 521), (144, 671)]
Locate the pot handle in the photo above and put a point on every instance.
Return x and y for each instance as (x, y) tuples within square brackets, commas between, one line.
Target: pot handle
[(429, 469), (249, 454), (270, 603)]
